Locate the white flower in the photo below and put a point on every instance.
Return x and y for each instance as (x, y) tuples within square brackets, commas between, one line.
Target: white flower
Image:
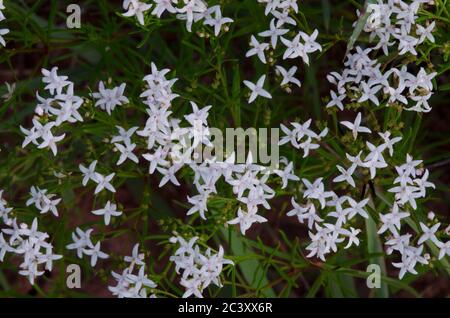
[(169, 175), (200, 269), (88, 173), (49, 141), (369, 93), (217, 21), (257, 49), (192, 286), (283, 18), (336, 100), (396, 94), (35, 132), (310, 41), (10, 89), (294, 49), (444, 249), (4, 210), (246, 219), (405, 193), (200, 204), (80, 240), (156, 159), (108, 99), (398, 243), (297, 211), (2, 33), (290, 136), (346, 175), (192, 11), (410, 257), (136, 257), (339, 213), (126, 152), (391, 221), (95, 253), (136, 8), (425, 32), (356, 126), (28, 242), (321, 243), (124, 135), (163, 5), (257, 90), (2, 7), (68, 107), (355, 160), (287, 174), (429, 233), (308, 212), (108, 211), (407, 43), (307, 146), (288, 76), (48, 258), (274, 32), (389, 143), (4, 247), (49, 205), (422, 80), (36, 196), (104, 182), (44, 106), (316, 191), (53, 81), (352, 237), (357, 208), (374, 159), (141, 279)]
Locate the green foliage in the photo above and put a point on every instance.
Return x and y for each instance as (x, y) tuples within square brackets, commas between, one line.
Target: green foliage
[(109, 47)]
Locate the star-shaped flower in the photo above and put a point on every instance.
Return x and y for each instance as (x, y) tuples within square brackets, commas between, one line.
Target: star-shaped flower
[(257, 89), (356, 127), (109, 210)]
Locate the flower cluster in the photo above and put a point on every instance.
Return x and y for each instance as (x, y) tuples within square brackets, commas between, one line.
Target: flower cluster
[(42, 201), (83, 244), (28, 242), (300, 46), (199, 269), (364, 83), (131, 285), (108, 99), (173, 149), (302, 137), (4, 210), (2, 18), (396, 21), (186, 10), (412, 183), (53, 111), (340, 209), (103, 182), (363, 78)]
